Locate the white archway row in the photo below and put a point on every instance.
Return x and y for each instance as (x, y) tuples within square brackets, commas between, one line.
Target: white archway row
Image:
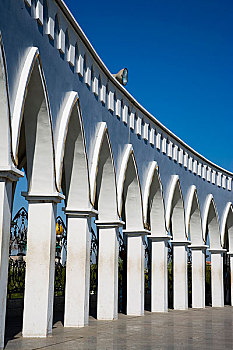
[(59, 161), (198, 248)]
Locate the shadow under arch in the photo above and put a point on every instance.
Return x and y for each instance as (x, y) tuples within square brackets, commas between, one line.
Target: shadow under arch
[(153, 203), (211, 223), (71, 155), (129, 192), (193, 218), (103, 177), (227, 227), (175, 214)]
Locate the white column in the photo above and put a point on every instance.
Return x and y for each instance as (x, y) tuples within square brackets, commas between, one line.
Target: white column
[(180, 275), (78, 267), (217, 285), (159, 274), (231, 267), (6, 178), (198, 275), (40, 265), (108, 253), (135, 273)]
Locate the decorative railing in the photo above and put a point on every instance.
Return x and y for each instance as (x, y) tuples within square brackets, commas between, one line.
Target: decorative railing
[(16, 278)]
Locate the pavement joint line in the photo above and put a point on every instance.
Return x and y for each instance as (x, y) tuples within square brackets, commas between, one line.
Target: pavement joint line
[(57, 343)]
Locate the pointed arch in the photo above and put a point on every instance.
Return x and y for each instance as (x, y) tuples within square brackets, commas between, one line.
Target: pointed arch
[(193, 217), (153, 203), (129, 191), (5, 118), (32, 128), (17, 116), (71, 155), (175, 215), (103, 177), (227, 226), (211, 223)]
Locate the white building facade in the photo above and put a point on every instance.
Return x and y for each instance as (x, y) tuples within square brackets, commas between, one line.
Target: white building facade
[(73, 128)]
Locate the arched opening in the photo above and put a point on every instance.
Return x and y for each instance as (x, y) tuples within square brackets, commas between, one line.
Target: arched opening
[(104, 194), (227, 261), (73, 179), (35, 155), (178, 276), (214, 273), (130, 202), (156, 291), (197, 252)]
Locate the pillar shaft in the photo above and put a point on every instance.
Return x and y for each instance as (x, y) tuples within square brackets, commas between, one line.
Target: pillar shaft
[(107, 297), (40, 266), (5, 220), (135, 275), (7, 176), (180, 276), (198, 277), (77, 271), (217, 286), (231, 267), (159, 275)]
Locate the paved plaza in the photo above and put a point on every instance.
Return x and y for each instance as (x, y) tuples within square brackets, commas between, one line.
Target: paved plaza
[(211, 328)]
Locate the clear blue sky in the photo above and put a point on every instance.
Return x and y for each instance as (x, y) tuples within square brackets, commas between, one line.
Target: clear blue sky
[(179, 54)]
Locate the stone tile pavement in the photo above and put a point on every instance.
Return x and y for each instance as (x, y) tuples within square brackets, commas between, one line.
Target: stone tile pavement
[(211, 328)]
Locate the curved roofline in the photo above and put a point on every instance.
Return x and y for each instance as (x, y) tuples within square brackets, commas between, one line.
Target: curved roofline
[(96, 57)]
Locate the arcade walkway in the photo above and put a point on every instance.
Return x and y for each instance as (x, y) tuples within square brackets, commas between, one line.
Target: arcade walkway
[(211, 328)]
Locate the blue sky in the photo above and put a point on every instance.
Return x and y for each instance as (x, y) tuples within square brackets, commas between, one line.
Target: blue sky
[(179, 54)]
